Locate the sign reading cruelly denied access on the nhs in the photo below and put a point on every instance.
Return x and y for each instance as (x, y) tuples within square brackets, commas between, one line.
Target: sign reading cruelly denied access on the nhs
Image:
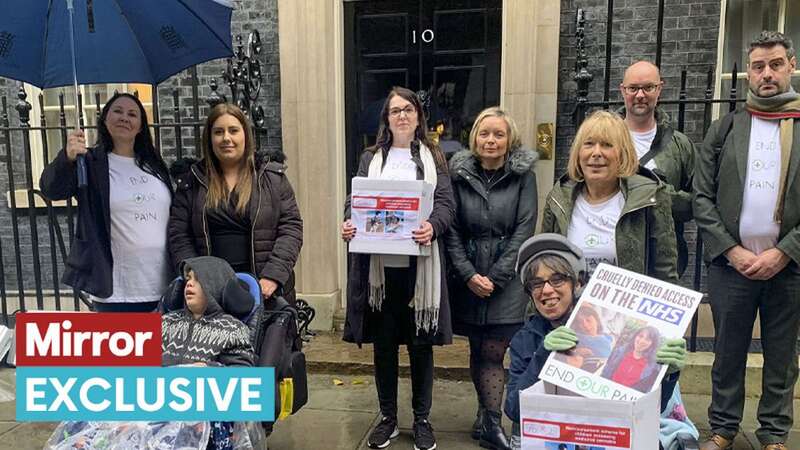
[(107, 367), (621, 320)]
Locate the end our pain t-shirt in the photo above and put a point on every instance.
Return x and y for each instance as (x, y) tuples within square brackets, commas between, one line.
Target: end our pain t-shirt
[(592, 229), (139, 204)]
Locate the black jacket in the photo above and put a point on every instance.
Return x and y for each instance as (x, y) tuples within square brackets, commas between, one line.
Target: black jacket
[(277, 229), (357, 327), (492, 221), (89, 266)]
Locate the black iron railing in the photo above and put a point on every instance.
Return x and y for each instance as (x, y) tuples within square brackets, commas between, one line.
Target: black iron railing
[(37, 267)]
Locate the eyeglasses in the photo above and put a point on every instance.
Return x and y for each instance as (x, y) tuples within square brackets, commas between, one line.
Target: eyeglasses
[(409, 110), (556, 280), (647, 89)]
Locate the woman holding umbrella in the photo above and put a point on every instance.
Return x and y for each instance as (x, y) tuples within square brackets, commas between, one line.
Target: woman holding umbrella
[(119, 254)]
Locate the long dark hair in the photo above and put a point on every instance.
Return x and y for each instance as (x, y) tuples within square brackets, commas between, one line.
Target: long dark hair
[(144, 151), (385, 137), (652, 334), (218, 189)]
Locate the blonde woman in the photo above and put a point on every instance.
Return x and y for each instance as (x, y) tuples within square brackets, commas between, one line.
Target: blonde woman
[(613, 210), (495, 191), (238, 206)]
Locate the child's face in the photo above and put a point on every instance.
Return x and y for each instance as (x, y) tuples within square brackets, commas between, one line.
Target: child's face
[(196, 299)]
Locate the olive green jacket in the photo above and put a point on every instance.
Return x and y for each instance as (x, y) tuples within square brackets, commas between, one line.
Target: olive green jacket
[(674, 158), (645, 234), (719, 190)]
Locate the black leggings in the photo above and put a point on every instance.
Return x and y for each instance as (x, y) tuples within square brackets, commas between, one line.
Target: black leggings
[(486, 369)]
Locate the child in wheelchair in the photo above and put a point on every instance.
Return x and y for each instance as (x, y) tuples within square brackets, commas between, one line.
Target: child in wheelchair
[(202, 332), (202, 320)]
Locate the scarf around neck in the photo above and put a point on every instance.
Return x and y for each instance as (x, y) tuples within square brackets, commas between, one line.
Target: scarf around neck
[(427, 288), (785, 108)]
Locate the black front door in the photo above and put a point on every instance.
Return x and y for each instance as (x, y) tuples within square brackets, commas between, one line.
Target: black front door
[(448, 48)]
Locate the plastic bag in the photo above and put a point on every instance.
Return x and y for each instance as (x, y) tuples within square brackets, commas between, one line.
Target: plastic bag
[(247, 435), (129, 436)]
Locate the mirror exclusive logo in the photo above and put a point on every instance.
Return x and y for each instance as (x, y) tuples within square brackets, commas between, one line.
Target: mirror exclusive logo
[(107, 367)]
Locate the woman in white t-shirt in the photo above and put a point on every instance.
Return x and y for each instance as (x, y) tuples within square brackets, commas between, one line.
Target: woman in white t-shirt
[(119, 253), (397, 300), (615, 211)]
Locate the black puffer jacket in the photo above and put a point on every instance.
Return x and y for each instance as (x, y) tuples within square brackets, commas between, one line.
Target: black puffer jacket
[(216, 338), (492, 220), (277, 229)]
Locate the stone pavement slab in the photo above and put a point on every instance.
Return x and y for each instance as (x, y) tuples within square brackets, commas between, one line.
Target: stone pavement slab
[(341, 417)]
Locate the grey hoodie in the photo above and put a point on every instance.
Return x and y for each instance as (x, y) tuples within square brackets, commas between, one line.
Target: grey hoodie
[(216, 338)]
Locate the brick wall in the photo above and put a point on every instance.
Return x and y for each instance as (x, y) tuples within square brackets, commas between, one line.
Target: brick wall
[(690, 37)]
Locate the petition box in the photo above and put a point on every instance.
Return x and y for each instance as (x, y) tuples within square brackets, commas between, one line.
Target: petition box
[(385, 212), (552, 418)]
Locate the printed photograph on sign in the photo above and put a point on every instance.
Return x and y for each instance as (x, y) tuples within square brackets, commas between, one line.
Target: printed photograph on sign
[(632, 363), (376, 222), (394, 221), (598, 329), (621, 320)]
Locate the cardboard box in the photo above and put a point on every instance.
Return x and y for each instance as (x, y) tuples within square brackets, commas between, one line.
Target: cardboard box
[(385, 212), (553, 418)]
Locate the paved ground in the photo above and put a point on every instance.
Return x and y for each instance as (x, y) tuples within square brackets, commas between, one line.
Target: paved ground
[(339, 417)]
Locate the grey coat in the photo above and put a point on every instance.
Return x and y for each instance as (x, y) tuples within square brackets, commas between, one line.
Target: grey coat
[(492, 220)]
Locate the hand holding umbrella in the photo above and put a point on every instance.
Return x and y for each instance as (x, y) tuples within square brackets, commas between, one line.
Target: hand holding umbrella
[(76, 147)]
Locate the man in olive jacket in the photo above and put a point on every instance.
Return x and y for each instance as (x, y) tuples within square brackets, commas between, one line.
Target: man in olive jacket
[(662, 149), (747, 207)]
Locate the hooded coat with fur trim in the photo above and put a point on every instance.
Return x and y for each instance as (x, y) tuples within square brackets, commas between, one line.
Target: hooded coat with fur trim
[(493, 218)]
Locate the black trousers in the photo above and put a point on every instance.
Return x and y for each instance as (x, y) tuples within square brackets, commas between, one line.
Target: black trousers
[(735, 301), (396, 327)]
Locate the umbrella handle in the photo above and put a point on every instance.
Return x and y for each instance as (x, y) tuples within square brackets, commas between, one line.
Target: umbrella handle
[(82, 178), (80, 160)]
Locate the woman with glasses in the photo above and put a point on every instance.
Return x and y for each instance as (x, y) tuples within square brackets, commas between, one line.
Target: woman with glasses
[(395, 300), (495, 191), (553, 272), (602, 205)]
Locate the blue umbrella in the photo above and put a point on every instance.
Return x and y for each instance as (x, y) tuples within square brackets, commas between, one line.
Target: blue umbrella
[(51, 43)]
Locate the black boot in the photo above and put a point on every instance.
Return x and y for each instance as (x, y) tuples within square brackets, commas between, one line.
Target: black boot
[(477, 427), (492, 434)]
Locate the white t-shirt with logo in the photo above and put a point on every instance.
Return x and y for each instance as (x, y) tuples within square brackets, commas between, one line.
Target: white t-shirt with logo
[(592, 229), (139, 204), (643, 141), (757, 227), (399, 166)]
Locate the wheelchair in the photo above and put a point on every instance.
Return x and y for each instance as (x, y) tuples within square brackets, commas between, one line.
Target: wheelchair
[(277, 333)]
